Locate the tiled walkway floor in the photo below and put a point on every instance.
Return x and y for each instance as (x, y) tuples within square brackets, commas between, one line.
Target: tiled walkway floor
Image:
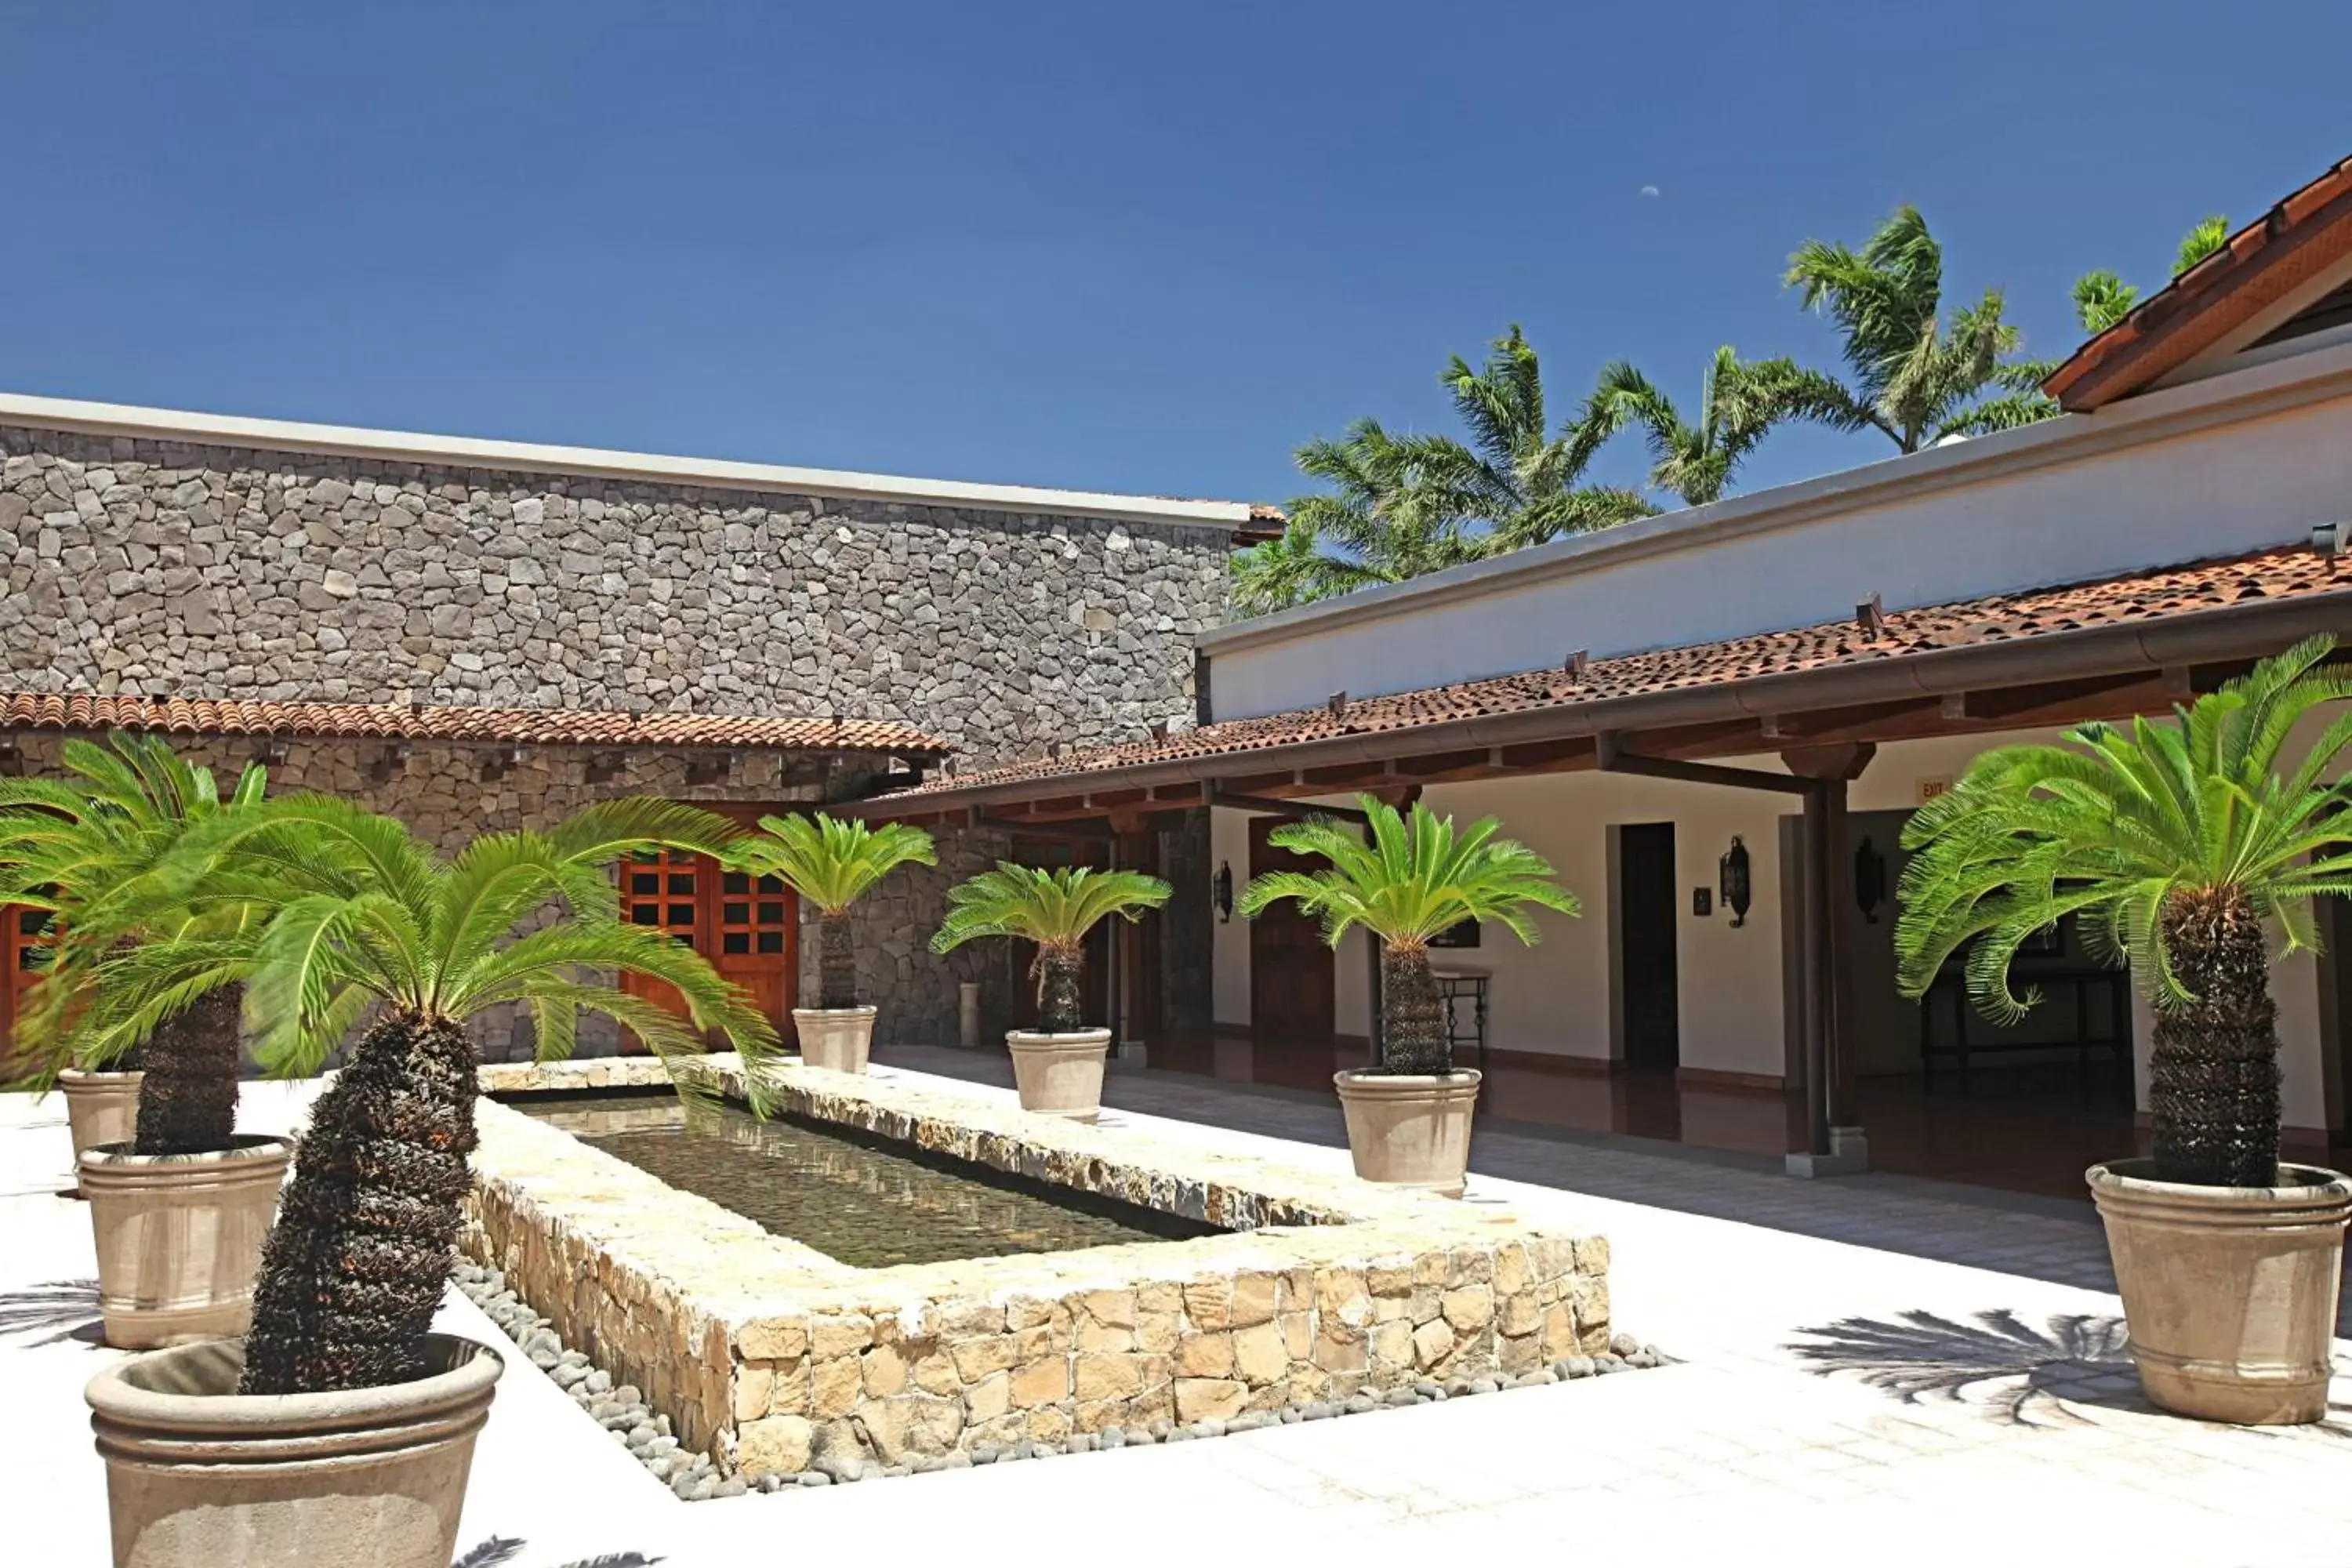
[(1875, 1370)]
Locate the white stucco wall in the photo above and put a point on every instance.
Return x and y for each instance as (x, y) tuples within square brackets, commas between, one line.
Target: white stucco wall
[(2071, 499), (1554, 999)]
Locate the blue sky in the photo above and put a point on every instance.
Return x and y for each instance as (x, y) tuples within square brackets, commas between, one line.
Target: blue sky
[(1097, 245)]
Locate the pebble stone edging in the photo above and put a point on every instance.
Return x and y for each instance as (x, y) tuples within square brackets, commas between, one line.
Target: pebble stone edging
[(694, 1477)]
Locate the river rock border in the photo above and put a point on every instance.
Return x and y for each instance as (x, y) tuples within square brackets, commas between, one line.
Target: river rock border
[(1328, 1294)]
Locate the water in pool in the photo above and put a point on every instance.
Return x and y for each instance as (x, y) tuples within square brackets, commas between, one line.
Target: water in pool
[(863, 1201)]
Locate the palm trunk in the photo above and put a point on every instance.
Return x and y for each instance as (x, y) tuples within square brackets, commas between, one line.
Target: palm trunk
[(1057, 970), (1413, 1018), (2213, 1082), (187, 1102), (836, 961), (356, 1264)]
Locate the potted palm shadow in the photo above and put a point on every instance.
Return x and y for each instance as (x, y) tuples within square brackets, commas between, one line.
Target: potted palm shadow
[(833, 863), (2178, 846), (1409, 1113), (1058, 1066), (340, 1427), (178, 1200)]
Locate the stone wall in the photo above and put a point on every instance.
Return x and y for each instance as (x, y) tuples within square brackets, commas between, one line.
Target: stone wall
[(440, 793), (772, 1356), (207, 570)]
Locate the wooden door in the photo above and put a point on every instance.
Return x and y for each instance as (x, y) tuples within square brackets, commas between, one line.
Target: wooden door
[(1649, 995), (1291, 972), (757, 940), (747, 933), (21, 957)]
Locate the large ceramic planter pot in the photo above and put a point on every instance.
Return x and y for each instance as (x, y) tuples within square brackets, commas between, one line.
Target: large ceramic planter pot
[(2229, 1291), (1060, 1075), (179, 1238), (834, 1038), (1410, 1130), (199, 1476), (100, 1107)]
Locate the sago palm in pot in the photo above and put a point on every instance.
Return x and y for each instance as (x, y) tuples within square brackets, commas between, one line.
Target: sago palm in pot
[(833, 863), (1406, 877), (179, 1202), (1058, 1066), (2178, 846), (373, 929)]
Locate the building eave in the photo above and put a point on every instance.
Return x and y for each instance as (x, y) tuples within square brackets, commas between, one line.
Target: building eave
[(122, 420)]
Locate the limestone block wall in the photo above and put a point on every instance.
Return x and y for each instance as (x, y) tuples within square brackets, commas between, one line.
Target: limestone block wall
[(771, 1355)]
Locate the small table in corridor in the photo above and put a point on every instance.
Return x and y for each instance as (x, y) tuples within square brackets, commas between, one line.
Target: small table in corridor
[(1457, 986)]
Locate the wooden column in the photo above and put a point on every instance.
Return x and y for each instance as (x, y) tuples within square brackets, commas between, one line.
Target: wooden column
[(1828, 1002), (1135, 848)]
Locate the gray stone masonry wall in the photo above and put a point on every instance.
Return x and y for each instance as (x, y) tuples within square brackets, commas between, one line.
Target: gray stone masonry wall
[(204, 571), (201, 571)]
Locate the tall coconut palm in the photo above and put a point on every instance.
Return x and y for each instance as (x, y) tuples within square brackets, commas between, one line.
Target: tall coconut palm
[(1054, 907), (91, 852), (2102, 299), (1916, 377), (1739, 404), (833, 863), (1402, 506), (366, 919), (1415, 878), (2173, 844), (1523, 478)]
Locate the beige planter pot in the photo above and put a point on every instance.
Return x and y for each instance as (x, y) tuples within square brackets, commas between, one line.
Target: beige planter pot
[(1060, 1075), (2229, 1291), (834, 1038), (1409, 1131), (199, 1476), (100, 1107), (179, 1238)]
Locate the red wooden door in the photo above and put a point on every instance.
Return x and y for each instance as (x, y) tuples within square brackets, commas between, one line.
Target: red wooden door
[(757, 940), (747, 933), (1291, 995), (21, 957)]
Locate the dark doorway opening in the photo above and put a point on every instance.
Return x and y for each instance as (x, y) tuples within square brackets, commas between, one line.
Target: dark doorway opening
[(1646, 919), (1291, 996)]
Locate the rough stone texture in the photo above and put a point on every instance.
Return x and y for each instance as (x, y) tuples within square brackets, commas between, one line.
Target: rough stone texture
[(225, 572), (210, 570), (1325, 1288), (441, 792)]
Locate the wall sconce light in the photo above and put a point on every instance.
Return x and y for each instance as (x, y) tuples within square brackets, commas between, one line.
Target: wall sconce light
[(1731, 875), (1221, 892), (1869, 878)]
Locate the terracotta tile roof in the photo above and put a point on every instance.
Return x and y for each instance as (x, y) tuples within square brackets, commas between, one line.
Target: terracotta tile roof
[(503, 726), (2259, 265), (2285, 574)]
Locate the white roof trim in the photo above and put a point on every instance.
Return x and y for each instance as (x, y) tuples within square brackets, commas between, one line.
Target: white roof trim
[(464, 451), (2319, 375)]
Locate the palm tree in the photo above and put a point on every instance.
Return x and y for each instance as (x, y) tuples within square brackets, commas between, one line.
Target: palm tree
[(2102, 299), (89, 853), (1402, 506), (362, 917), (1415, 879), (834, 863), (1916, 380), (2172, 844), (1739, 403), (1521, 479), (1055, 909)]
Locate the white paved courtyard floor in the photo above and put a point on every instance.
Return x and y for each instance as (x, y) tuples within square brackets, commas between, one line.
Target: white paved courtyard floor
[(1874, 1370)]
